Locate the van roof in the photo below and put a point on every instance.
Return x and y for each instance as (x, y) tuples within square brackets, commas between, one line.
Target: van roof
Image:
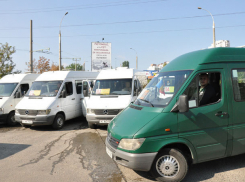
[(118, 73), (62, 75), (192, 60), (16, 78)]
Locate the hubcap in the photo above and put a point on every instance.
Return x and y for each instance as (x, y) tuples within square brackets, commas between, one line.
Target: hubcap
[(60, 121), (167, 166), (13, 119)]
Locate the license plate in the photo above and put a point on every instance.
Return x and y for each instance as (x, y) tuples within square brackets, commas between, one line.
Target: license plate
[(105, 121), (27, 121), (109, 152)]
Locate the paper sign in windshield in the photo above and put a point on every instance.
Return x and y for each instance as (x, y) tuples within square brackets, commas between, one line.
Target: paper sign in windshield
[(103, 91), (35, 92), (168, 89)]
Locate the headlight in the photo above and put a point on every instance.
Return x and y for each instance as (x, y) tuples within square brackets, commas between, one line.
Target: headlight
[(131, 144), (90, 111), (1, 110), (16, 111), (43, 112)]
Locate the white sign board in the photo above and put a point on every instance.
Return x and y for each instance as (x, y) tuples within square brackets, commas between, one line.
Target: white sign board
[(101, 56)]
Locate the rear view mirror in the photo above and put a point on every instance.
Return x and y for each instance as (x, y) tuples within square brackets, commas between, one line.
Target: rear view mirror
[(63, 94), (85, 93), (17, 95), (137, 92), (182, 104)]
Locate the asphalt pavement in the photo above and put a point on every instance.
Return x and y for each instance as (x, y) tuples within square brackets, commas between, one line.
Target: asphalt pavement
[(77, 153)]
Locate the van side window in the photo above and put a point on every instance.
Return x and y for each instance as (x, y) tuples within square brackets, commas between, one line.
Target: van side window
[(204, 89), (238, 83), (69, 88), (24, 88), (79, 85)]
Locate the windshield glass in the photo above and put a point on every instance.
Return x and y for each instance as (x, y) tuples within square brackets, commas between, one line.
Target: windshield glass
[(6, 89), (44, 89), (113, 87), (162, 88)]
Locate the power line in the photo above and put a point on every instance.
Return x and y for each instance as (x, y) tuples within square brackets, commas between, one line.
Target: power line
[(124, 22), (66, 6), (128, 33), (78, 8)]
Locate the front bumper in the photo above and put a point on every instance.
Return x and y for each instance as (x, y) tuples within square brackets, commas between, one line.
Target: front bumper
[(36, 120), (3, 118), (96, 119), (138, 162)]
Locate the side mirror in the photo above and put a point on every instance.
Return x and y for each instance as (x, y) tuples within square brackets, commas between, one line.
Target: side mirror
[(85, 93), (137, 92), (17, 95), (63, 94), (182, 104)]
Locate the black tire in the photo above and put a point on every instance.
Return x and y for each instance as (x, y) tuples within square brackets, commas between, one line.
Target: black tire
[(59, 121), (91, 125), (170, 165), (11, 120)]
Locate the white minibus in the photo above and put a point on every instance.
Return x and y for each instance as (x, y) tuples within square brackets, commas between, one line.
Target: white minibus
[(54, 97), (114, 89), (12, 90)]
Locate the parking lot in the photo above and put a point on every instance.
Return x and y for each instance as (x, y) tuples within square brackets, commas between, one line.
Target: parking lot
[(77, 153)]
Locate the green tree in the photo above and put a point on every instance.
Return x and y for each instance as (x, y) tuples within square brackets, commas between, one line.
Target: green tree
[(72, 67), (6, 63), (125, 64)]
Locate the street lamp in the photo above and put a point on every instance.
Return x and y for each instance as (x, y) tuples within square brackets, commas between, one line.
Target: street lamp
[(136, 58), (60, 43), (214, 45)]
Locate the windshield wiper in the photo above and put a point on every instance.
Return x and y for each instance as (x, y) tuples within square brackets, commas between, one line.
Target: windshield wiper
[(147, 102)]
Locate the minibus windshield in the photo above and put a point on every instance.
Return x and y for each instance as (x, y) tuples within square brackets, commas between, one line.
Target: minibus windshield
[(113, 87), (44, 89), (162, 88), (6, 89)]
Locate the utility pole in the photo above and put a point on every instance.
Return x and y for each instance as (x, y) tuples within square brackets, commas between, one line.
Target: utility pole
[(31, 52), (74, 59), (60, 43)]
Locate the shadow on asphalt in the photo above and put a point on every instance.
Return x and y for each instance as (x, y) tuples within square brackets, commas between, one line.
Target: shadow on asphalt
[(5, 128), (73, 124), (207, 170), (7, 149)]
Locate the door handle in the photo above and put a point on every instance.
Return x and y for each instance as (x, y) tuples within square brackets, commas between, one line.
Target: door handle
[(73, 99), (221, 114)]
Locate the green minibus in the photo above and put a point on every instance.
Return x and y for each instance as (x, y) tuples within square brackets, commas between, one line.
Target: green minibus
[(192, 111)]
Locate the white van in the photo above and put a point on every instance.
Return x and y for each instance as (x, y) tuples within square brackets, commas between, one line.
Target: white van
[(12, 90), (54, 98), (113, 90)]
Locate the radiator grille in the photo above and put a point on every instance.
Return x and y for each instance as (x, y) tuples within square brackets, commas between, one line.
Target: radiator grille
[(27, 112)]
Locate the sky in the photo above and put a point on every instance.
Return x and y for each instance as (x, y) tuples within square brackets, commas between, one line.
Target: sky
[(158, 30)]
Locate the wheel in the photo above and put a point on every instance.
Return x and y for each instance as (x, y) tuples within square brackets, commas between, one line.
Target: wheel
[(91, 125), (169, 165), (58, 122), (11, 120)]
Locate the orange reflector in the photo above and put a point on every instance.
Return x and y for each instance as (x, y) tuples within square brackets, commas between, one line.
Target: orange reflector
[(168, 129)]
